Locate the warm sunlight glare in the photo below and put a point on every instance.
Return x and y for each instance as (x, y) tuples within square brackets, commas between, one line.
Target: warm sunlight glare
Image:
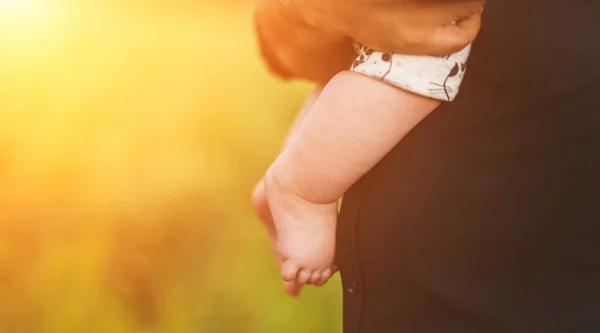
[(25, 20), (130, 135), (13, 8)]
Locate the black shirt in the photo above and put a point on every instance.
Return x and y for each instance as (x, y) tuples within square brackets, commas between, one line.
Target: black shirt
[(486, 217)]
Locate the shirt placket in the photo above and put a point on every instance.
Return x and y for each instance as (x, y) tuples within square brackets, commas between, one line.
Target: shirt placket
[(352, 276)]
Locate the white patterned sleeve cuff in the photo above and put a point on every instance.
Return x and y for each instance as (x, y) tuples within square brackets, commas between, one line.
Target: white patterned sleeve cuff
[(434, 77)]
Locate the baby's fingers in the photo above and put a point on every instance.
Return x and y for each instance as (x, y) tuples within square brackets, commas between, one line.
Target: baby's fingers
[(315, 277), (289, 271), (325, 276), (292, 288)]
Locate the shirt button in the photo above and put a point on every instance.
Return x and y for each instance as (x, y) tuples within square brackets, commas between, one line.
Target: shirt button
[(353, 288)]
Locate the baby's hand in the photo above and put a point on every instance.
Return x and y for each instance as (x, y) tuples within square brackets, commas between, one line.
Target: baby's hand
[(305, 234), (262, 210)]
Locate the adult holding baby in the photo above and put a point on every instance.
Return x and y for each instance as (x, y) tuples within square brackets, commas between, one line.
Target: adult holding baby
[(313, 39), (483, 218)]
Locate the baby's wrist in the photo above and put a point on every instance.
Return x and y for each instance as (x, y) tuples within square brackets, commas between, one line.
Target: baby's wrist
[(282, 184), (278, 185)]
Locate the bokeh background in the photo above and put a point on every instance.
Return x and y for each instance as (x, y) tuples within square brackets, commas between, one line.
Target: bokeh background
[(131, 133)]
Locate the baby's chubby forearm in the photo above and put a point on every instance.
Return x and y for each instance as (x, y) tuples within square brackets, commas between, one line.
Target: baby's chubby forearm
[(354, 123)]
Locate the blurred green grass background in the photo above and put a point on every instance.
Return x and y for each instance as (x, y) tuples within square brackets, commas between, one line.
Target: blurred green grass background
[(131, 134)]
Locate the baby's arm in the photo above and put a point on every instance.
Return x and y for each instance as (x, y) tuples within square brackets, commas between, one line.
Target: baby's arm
[(355, 121), (362, 113)]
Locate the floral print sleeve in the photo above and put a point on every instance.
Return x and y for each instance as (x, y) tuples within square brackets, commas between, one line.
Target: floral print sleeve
[(434, 77)]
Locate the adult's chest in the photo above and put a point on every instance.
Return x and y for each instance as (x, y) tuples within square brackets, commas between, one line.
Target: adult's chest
[(483, 218)]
